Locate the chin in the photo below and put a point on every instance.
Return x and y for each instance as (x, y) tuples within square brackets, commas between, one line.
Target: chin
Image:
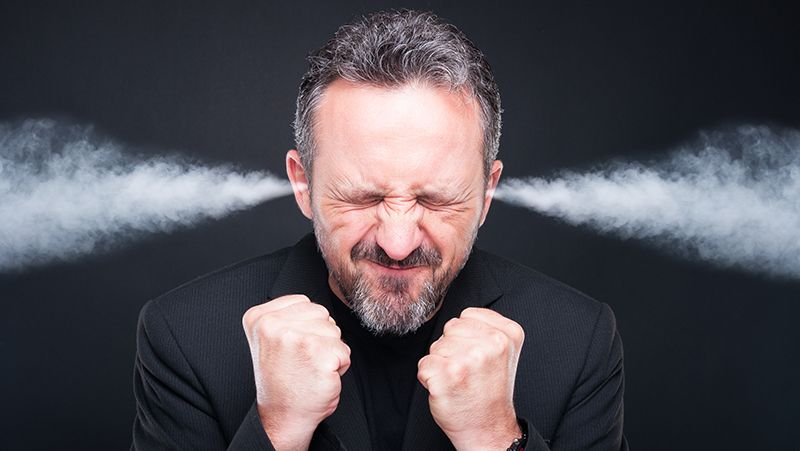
[(392, 305)]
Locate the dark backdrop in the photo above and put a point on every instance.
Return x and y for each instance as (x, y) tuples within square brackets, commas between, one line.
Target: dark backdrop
[(711, 355)]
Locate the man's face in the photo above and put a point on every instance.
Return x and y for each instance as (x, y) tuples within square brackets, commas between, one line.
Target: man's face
[(398, 193)]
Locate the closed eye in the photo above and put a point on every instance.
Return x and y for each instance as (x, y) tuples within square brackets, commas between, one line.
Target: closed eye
[(368, 201), (362, 200), (440, 204)]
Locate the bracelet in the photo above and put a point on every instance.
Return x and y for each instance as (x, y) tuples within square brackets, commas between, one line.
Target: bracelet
[(519, 443)]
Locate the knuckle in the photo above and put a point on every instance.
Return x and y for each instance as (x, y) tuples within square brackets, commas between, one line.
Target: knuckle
[(517, 332), (299, 297), (478, 356), (325, 329), (286, 337), (345, 362), (269, 305), (260, 327), (246, 321), (313, 311), (312, 307), (307, 342), (456, 371), (499, 339), (437, 346), (328, 360), (249, 317), (450, 324), (473, 312)]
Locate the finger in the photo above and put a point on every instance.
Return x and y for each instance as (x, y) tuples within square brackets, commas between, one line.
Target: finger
[(465, 327), (455, 346), (486, 315), (293, 316), (344, 358), (334, 355), (302, 311), (494, 319), (254, 312), (285, 301), (321, 327), (428, 367)]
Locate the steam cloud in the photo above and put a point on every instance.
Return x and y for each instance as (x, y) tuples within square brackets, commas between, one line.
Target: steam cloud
[(65, 192), (731, 198)]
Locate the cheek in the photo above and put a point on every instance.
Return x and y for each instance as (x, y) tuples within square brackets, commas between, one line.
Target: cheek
[(451, 232), (348, 227)]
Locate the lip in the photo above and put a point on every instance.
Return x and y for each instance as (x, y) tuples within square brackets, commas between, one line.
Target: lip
[(395, 270)]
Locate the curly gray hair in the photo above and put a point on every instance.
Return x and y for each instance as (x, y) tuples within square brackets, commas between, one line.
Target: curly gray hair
[(392, 48)]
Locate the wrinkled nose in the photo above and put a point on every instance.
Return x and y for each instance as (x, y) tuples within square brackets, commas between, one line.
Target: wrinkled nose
[(399, 234)]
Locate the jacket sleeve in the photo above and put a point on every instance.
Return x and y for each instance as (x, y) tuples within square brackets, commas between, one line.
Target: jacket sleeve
[(172, 411), (594, 417)]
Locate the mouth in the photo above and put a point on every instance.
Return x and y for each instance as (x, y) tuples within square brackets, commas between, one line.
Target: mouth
[(395, 269)]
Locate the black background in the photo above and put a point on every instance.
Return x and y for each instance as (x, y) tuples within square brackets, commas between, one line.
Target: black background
[(711, 354)]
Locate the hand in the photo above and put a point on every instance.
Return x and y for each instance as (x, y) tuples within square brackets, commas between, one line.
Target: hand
[(298, 359), (469, 375)]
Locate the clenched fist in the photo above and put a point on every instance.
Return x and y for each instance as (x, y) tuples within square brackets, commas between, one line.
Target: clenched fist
[(298, 359), (469, 375)]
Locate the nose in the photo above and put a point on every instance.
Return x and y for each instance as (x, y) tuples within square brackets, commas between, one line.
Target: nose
[(398, 232)]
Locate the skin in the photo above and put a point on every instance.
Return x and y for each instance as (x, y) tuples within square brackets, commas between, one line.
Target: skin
[(400, 167), (298, 359)]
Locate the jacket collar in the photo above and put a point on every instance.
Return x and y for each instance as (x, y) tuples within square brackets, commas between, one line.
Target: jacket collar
[(304, 272)]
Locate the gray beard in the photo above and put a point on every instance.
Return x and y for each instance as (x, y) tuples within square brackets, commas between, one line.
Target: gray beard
[(390, 309)]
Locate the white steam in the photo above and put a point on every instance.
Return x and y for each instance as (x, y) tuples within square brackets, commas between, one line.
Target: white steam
[(64, 192), (732, 199)]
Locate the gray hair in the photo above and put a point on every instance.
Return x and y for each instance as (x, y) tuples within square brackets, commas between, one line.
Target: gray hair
[(392, 48)]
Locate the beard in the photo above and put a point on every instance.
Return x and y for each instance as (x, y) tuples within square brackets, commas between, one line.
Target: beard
[(387, 304)]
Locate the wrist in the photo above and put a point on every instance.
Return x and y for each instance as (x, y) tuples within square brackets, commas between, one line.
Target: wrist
[(498, 436), (286, 434)]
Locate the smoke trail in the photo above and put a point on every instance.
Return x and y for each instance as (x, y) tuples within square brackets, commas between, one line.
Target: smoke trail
[(65, 192), (732, 198)]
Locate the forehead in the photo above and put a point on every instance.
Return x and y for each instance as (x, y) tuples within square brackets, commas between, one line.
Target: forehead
[(400, 137)]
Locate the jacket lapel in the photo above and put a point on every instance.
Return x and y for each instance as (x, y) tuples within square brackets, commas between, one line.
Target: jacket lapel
[(304, 272), (473, 287)]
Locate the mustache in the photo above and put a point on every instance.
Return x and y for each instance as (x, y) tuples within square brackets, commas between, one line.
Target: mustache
[(421, 256)]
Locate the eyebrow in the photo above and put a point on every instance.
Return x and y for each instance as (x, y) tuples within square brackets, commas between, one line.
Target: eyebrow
[(364, 195), (441, 197), (357, 195)]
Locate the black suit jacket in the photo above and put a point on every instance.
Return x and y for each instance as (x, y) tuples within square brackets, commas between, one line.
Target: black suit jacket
[(194, 382)]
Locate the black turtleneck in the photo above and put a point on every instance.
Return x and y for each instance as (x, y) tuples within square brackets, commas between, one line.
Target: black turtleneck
[(385, 370)]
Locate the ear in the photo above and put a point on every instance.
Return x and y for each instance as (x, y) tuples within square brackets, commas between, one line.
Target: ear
[(299, 179), (491, 184)]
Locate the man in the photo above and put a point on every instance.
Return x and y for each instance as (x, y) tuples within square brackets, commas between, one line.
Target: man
[(386, 329)]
